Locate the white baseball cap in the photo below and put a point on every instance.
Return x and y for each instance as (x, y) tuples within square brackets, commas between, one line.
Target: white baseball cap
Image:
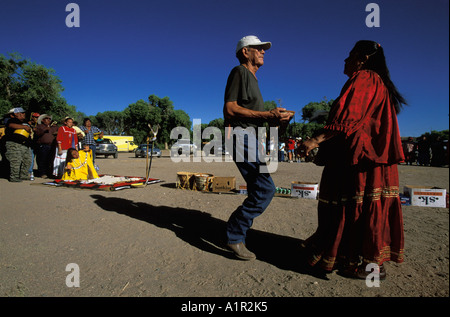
[(16, 110), (253, 41)]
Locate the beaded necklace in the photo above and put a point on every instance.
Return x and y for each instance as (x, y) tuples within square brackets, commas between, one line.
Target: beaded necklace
[(80, 166)]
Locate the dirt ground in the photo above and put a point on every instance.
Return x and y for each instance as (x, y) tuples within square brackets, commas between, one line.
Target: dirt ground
[(160, 241)]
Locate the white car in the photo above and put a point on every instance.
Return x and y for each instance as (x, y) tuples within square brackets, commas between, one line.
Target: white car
[(183, 146)]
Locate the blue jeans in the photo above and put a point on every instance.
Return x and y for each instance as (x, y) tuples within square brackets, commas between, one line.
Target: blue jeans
[(260, 188), (93, 148)]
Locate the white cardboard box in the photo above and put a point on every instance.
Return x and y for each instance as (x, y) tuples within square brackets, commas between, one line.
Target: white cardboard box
[(304, 190), (426, 196)]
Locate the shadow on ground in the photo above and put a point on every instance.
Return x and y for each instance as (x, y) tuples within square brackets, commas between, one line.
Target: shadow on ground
[(207, 233)]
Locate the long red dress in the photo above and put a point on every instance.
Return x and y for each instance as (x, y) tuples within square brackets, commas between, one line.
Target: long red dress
[(359, 210)]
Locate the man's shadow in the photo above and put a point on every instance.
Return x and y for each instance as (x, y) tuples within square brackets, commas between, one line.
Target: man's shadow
[(207, 233)]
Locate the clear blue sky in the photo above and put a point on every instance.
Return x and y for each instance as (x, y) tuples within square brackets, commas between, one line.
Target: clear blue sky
[(126, 50)]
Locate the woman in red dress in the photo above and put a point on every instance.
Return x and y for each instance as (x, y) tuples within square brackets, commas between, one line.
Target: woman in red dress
[(359, 212)]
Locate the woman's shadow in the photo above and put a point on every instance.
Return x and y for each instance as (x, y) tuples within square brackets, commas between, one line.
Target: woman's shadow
[(207, 233)]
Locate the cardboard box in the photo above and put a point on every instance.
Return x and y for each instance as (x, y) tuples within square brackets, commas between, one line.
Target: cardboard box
[(426, 196), (223, 184), (405, 200), (304, 190), (243, 189)]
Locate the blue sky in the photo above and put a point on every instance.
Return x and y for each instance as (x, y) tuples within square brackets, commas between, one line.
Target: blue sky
[(124, 51)]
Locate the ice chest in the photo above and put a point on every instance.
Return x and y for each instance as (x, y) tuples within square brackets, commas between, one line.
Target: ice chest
[(223, 184), (304, 190), (426, 196)]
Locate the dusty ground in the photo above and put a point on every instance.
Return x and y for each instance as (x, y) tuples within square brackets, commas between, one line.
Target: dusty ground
[(160, 241)]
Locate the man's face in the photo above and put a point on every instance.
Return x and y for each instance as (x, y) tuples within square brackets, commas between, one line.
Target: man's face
[(20, 116), (256, 55)]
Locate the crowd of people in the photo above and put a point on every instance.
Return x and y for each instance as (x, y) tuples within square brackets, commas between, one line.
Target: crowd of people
[(424, 152), (290, 150), (42, 140), (421, 152)]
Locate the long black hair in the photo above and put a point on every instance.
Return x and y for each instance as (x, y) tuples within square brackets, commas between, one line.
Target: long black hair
[(377, 62), (69, 156)]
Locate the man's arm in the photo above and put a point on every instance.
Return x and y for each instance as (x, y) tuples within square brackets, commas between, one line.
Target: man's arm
[(232, 110)]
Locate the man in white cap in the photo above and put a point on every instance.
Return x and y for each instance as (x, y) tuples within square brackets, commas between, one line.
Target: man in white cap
[(18, 142), (244, 112)]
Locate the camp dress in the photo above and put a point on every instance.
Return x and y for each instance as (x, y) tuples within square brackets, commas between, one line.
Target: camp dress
[(359, 210), (82, 168)]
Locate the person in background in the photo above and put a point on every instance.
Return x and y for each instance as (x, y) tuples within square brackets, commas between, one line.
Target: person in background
[(65, 139), (33, 124), (80, 134), (290, 149), (45, 137), (18, 142), (360, 219), (89, 131), (244, 111), (409, 149), (282, 146), (437, 152), (424, 149), (298, 150)]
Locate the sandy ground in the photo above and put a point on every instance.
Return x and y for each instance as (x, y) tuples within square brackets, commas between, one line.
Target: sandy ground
[(160, 241)]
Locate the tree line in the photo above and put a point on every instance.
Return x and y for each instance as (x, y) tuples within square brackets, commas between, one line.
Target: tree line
[(36, 88)]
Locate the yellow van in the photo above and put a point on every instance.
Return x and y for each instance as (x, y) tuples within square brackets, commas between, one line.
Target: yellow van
[(124, 143)]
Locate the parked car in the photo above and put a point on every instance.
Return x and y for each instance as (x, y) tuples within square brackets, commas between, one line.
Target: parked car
[(183, 146), (220, 150), (142, 151), (106, 148)]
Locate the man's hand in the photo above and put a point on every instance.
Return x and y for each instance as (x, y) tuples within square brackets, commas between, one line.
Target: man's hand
[(280, 117)]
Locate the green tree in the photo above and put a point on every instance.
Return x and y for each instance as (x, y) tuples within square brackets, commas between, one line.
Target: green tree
[(317, 111), (31, 86), (137, 116), (219, 124), (111, 122), (156, 112)]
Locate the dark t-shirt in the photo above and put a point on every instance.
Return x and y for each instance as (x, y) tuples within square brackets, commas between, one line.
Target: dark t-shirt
[(242, 86), (10, 134)]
